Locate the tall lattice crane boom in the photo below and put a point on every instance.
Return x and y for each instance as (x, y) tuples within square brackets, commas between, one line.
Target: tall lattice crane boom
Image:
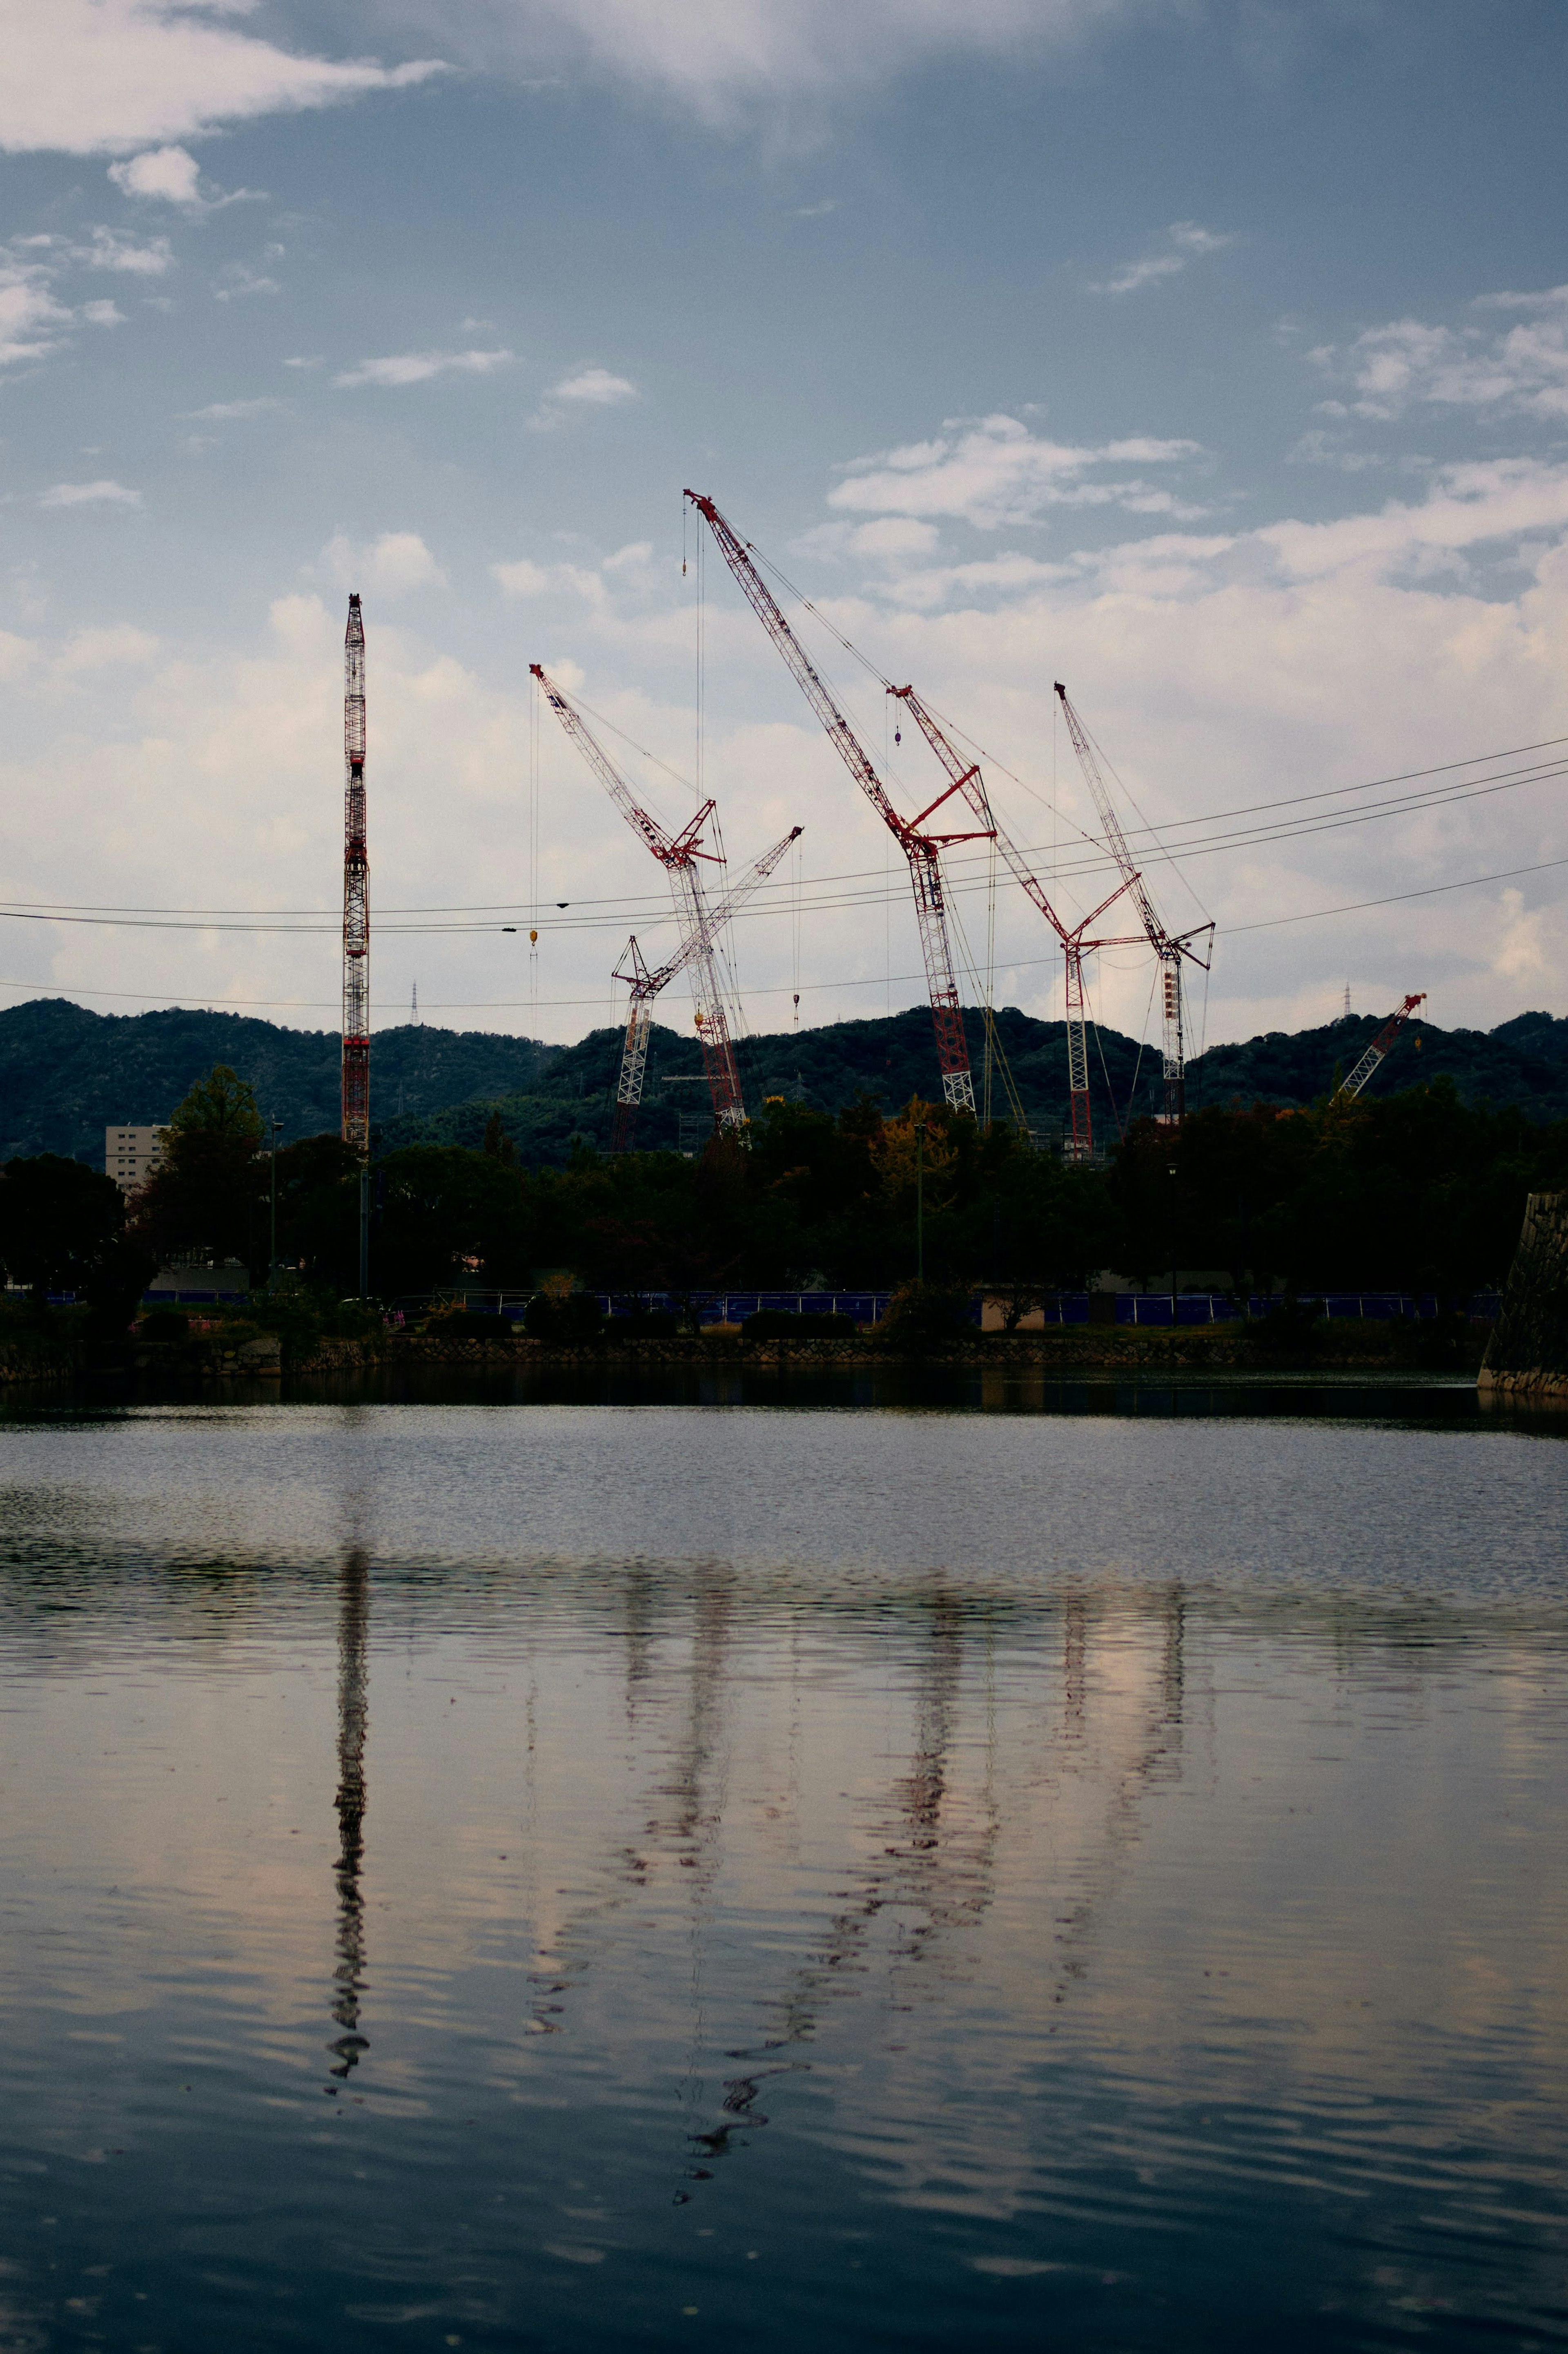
[(968, 781), (1349, 1088), (646, 986), (1170, 948), (355, 896), (921, 850), (669, 849), (700, 925)]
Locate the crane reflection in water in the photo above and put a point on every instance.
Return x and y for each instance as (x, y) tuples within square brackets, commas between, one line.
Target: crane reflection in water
[(908, 1910), (353, 1713)]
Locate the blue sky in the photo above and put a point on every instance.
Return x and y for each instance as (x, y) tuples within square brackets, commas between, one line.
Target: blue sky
[(1213, 357)]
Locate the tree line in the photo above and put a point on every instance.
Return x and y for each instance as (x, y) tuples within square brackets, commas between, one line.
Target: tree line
[(1416, 1191)]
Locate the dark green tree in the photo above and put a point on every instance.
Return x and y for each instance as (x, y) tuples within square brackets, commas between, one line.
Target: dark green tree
[(318, 1210), (208, 1200), (450, 1216), (62, 1229)]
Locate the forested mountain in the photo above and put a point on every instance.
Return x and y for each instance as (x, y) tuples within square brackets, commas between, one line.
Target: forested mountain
[(67, 1074)]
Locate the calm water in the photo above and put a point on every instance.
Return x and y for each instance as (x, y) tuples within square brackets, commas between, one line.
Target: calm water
[(577, 1875)]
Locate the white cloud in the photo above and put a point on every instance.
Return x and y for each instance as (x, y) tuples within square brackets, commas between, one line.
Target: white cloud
[(236, 279), (389, 567), (895, 537), (109, 251), (993, 470), (722, 56), (1501, 500), (169, 174), (85, 494), (1392, 368), (418, 367), (103, 315), (1521, 949), (233, 412), (90, 76), (119, 646), (1185, 242), (312, 361), (1217, 669), (1317, 447), (521, 578), (28, 310), (594, 388), (591, 388)]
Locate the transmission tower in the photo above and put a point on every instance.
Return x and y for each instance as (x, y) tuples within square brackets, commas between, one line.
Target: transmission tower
[(356, 897)]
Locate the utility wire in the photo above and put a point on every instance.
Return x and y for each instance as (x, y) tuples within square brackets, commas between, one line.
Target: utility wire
[(623, 906), (54, 987)]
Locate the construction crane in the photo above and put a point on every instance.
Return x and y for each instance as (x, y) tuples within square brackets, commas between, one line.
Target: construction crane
[(921, 850), (646, 986), (356, 897), (1075, 944), (700, 925), (1350, 1088), (1170, 948)]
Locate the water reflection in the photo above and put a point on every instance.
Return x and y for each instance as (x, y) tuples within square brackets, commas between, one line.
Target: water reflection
[(1032, 1882), (353, 1715)]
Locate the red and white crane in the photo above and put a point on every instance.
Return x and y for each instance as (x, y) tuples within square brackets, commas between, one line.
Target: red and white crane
[(1170, 948), (700, 927), (1349, 1088), (921, 850), (355, 896), (646, 986), (1075, 944)]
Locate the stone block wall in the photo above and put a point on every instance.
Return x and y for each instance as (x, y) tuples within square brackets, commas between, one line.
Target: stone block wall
[(1528, 1353)]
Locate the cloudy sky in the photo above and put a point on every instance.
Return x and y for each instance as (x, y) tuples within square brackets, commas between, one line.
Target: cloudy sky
[(1209, 354)]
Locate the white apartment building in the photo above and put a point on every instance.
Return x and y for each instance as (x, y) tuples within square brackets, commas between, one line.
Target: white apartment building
[(130, 1155)]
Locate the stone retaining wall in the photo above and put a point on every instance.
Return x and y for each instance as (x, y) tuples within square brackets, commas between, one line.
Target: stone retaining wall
[(1528, 1354), (1070, 1348)]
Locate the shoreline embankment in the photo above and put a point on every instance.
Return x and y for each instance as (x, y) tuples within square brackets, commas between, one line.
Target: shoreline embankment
[(1453, 1346), (1526, 1358)]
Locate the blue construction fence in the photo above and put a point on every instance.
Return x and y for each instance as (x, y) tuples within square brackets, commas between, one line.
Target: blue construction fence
[(870, 1307), (1057, 1308)]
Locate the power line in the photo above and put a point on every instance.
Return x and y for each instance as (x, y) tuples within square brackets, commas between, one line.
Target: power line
[(877, 980), (773, 900)]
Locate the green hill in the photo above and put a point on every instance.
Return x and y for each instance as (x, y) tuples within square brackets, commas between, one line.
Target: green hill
[(66, 1074)]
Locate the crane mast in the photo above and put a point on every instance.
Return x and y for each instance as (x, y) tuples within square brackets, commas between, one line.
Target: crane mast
[(646, 986), (968, 781), (921, 851), (1169, 948), (1350, 1088), (699, 926), (355, 896)]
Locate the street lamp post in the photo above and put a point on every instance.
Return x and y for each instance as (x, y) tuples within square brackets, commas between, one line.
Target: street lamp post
[(1172, 1173), (920, 1201), (272, 1255)]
